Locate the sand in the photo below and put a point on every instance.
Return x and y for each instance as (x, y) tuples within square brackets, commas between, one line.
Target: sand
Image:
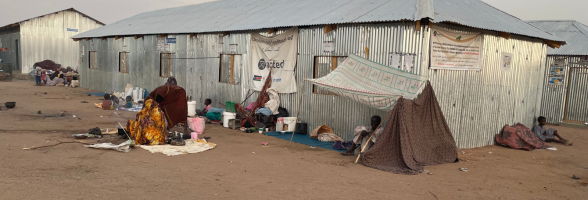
[(240, 168)]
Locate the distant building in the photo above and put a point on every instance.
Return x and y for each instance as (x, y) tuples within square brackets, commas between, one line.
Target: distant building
[(566, 101), (207, 48), (46, 37)]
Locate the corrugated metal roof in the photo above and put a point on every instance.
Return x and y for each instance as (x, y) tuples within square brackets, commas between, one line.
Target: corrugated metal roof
[(235, 15), (574, 33), (69, 9)]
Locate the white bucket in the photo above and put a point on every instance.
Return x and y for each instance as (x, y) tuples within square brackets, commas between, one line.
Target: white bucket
[(191, 108), (226, 117), (290, 121)]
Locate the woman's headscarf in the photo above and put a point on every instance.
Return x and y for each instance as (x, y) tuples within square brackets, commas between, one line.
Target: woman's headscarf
[(171, 81)]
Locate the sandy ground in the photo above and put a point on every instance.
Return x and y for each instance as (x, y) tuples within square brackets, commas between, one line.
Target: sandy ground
[(233, 171)]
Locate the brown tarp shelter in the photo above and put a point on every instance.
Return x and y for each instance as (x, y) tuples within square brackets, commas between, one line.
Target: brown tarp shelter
[(416, 135)]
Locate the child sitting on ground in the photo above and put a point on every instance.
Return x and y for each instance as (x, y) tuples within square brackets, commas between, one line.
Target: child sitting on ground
[(107, 103), (129, 103), (548, 135), (207, 106)]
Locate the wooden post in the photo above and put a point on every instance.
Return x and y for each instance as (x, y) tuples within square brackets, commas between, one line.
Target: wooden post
[(117, 37), (299, 107), (330, 27), (367, 53), (418, 25), (271, 30), (504, 35)]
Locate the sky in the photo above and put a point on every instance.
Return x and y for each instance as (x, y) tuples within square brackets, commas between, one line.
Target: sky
[(110, 11)]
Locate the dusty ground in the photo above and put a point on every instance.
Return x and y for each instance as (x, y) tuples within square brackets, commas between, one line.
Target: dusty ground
[(232, 170)]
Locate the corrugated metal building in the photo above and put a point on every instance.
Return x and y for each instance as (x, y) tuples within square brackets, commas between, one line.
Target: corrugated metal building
[(47, 37), (567, 103), (476, 104)]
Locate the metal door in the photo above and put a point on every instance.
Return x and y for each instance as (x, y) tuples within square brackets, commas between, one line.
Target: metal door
[(577, 95)]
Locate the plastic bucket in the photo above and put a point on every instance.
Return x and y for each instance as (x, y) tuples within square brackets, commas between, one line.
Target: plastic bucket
[(290, 121), (226, 117), (191, 108), (231, 107)]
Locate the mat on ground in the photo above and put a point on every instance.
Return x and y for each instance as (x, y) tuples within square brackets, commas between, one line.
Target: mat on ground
[(304, 139)]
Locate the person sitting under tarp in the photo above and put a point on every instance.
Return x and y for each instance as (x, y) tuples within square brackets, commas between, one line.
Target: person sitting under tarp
[(362, 132), (549, 134)]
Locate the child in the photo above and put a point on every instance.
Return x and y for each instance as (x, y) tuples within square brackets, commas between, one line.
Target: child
[(207, 106), (38, 72), (107, 103), (43, 75), (549, 134), (129, 103)]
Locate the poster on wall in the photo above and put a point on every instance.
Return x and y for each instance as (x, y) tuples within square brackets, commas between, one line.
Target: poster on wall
[(556, 80), (395, 61), (162, 44), (328, 46), (278, 52), (506, 62), (556, 70), (454, 50), (408, 63)]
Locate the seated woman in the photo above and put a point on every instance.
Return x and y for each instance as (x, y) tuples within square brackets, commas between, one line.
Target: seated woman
[(163, 109), (149, 128), (550, 134), (362, 132)]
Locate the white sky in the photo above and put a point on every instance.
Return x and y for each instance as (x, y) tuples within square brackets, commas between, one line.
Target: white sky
[(110, 11)]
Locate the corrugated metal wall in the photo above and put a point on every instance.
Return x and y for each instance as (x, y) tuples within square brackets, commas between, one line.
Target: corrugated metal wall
[(476, 104), (9, 41), (554, 97), (47, 38)]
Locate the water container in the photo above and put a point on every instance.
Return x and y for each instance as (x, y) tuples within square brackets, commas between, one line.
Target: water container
[(279, 126), (226, 117), (191, 108)]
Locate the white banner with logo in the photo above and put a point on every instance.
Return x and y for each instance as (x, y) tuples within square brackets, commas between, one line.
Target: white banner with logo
[(278, 52), (455, 50)]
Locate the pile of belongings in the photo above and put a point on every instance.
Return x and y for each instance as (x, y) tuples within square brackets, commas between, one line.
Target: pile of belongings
[(520, 137), (325, 133), (415, 135)]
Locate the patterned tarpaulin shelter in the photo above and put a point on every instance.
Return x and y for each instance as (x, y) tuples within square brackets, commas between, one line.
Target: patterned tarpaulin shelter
[(371, 83)]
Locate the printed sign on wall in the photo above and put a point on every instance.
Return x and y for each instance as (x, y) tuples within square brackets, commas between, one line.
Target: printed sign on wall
[(277, 53), (328, 46), (455, 50), (506, 62)]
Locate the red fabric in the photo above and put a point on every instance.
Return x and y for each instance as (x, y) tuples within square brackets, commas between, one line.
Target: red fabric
[(520, 137), (172, 102)]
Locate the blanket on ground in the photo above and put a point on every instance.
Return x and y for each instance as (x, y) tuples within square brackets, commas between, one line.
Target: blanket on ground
[(520, 137)]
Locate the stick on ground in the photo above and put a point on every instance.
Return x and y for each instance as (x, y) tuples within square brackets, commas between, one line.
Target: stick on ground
[(299, 106)]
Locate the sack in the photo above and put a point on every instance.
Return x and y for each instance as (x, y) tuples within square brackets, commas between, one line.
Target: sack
[(282, 112)]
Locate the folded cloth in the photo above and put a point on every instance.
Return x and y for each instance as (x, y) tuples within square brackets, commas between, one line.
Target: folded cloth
[(265, 111), (329, 137), (213, 116), (216, 110)]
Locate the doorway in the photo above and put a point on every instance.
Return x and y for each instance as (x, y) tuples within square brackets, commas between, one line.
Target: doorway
[(16, 50), (576, 110)]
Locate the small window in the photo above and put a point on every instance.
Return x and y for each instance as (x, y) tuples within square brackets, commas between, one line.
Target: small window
[(324, 65), (165, 65), (230, 65), (92, 60), (123, 66)]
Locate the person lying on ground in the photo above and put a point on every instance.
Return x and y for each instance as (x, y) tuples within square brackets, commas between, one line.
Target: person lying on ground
[(53, 82), (362, 132), (207, 107), (107, 103), (549, 134), (129, 103)]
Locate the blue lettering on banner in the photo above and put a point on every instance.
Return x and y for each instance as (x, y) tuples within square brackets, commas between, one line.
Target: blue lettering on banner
[(171, 40), (72, 30), (277, 80)]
